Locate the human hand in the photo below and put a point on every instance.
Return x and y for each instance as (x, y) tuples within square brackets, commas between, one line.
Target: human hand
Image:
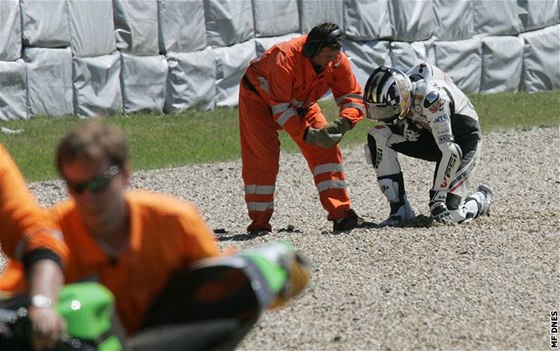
[(440, 213), (339, 126), (321, 137), (47, 327)]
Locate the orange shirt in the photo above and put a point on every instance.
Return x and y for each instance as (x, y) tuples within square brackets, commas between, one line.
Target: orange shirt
[(286, 81), (24, 226), (166, 234)]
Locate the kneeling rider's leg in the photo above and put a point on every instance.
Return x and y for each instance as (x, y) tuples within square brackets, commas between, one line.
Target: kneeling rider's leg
[(389, 175)]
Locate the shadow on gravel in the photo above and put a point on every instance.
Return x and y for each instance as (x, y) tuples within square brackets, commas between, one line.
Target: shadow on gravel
[(420, 221), (222, 234)]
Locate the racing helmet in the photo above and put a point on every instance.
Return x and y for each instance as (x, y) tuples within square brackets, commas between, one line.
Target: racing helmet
[(387, 94)]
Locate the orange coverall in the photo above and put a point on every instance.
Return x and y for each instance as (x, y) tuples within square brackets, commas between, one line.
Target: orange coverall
[(166, 235), (279, 91), (25, 228)]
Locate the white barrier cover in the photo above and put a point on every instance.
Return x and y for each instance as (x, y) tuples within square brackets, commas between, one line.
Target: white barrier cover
[(228, 22), (13, 99), (367, 56), (191, 81), (97, 87), (311, 15), (488, 23), (10, 30), (92, 32), (136, 26), (410, 30), (263, 44), (406, 55), (413, 20), (368, 20), (181, 26), (231, 64), (541, 59), (454, 20), (39, 28), (502, 61), (462, 61), (274, 18), (143, 81), (538, 14), (49, 81)]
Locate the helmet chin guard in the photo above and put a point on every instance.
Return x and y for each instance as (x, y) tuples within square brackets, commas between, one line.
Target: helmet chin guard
[(387, 94)]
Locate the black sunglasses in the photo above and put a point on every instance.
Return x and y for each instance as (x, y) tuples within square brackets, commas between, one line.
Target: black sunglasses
[(96, 184)]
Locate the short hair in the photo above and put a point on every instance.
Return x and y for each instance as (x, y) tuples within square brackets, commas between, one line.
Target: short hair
[(93, 141), (321, 36), (320, 31)]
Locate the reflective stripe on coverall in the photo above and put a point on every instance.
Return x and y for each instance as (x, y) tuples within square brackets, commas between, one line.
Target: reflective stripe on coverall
[(279, 91)]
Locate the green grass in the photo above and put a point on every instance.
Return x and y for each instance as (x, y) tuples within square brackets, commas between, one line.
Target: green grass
[(198, 136)]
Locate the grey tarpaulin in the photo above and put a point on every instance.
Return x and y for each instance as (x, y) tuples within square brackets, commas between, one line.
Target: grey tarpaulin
[(413, 20), (538, 14), (454, 22), (10, 31), (408, 54), (143, 82), (207, 44), (45, 34), (330, 11), (366, 56), (191, 80), (228, 22), (487, 22), (541, 58), (501, 64), (462, 60), (275, 17), (49, 78), (136, 26), (97, 88), (13, 96), (263, 44), (181, 26), (366, 22), (229, 70), (91, 27)]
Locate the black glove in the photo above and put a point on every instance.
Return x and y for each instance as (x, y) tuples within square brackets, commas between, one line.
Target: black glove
[(321, 137), (440, 213)]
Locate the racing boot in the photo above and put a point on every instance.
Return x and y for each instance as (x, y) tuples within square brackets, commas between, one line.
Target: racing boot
[(392, 186), (401, 213), (483, 198)]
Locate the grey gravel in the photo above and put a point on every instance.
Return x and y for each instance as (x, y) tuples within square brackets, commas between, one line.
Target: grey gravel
[(489, 285)]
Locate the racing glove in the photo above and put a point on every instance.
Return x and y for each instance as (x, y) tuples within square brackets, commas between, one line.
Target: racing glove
[(321, 137), (339, 126)]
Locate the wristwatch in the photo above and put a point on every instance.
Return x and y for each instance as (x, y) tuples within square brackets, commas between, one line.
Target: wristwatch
[(40, 301)]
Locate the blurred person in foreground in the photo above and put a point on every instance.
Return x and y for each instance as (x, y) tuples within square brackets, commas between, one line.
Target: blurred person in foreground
[(129, 241), (279, 91), (27, 236), (426, 116), (142, 245)]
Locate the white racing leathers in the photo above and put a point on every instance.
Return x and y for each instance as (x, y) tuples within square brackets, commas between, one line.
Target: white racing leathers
[(442, 127)]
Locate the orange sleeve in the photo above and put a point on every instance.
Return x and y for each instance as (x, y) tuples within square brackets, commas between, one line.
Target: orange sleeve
[(348, 92), (25, 225), (282, 93), (273, 74)]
